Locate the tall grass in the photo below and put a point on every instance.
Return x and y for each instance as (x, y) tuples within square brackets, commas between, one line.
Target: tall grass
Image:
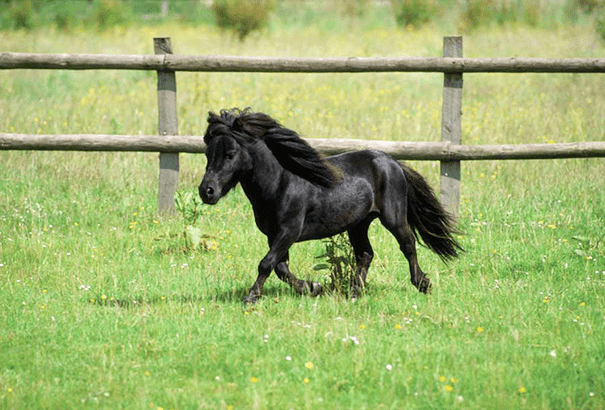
[(104, 304)]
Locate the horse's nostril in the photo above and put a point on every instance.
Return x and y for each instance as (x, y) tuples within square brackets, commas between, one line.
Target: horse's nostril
[(209, 191)]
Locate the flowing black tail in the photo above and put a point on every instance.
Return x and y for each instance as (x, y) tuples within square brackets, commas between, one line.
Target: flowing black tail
[(428, 219)]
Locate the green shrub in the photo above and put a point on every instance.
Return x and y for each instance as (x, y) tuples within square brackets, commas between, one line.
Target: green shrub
[(64, 16), (476, 13), (600, 22), (486, 12), (413, 12), (597, 9), (111, 13), (242, 16), (589, 6), (22, 14), (351, 8)]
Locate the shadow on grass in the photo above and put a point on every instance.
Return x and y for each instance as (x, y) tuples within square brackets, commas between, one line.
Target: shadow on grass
[(272, 292), (231, 296)]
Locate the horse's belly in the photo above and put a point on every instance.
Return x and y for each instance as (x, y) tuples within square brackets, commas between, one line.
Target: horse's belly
[(339, 210)]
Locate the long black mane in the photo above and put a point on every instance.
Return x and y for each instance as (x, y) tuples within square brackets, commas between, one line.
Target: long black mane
[(291, 151)]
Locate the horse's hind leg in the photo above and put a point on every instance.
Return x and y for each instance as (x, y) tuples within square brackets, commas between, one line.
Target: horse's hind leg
[(282, 269), (364, 254), (407, 244)]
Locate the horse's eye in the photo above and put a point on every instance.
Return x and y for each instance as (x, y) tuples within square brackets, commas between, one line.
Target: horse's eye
[(230, 154)]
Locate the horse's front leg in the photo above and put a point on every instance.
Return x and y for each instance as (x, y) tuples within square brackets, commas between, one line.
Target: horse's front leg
[(264, 270), (300, 286), (278, 250)]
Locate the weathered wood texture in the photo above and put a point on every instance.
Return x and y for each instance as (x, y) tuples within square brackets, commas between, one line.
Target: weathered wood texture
[(171, 62), (99, 142), (168, 179), (419, 151), (451, 127)]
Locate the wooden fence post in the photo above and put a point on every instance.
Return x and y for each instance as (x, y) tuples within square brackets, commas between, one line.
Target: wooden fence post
[(451, 127), (167, 125)]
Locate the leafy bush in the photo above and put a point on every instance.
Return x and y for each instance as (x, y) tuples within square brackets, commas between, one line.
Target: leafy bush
[(600, 22), (351, 8), (413, 12), (590, 5), (242, 16), (476, 13), (22, 14), (111, 13), (597, 9), (485, 12)]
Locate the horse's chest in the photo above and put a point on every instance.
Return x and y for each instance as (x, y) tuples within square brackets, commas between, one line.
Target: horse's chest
[(267, 217)]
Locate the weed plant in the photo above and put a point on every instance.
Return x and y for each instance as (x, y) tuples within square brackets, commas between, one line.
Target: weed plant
[(339, 261), (106, 305)]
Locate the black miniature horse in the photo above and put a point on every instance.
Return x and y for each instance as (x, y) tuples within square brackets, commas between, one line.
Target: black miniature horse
[(297, 195)]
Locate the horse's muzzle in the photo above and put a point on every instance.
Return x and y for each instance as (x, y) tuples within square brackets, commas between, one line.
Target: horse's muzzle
[(208, 194)]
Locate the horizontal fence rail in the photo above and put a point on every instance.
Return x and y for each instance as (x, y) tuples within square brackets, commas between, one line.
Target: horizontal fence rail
[(419, 151), (174, 62)]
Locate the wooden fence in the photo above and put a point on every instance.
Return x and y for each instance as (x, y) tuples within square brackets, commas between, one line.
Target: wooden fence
[(169, 144)]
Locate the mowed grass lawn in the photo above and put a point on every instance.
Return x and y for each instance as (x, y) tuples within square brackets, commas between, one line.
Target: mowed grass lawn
[(104, 304)]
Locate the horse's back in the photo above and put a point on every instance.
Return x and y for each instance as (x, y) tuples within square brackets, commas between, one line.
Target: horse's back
[(370, 164), (382, 173)]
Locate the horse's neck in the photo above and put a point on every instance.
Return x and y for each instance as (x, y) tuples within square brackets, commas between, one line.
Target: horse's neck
[(262, 182)]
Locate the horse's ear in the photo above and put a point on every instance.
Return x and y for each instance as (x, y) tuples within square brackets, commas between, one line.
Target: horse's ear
[(212, 117)]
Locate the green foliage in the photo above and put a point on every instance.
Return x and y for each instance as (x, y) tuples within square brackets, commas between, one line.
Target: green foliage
[(351, 8), (590, 6), (600, 22), (65, 18), (243, 16), (190, 207), (101, 14), (111, 13), (413, 12), (489, 12), (533, 13), (21, 14), (339, 262)]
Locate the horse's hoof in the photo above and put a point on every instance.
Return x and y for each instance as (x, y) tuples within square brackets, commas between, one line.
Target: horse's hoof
[(309, 288), (251, 299), (355, 293), (425, 285), (315, 289)]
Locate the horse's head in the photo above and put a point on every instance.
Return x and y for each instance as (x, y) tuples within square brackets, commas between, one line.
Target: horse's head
[(227, 160)]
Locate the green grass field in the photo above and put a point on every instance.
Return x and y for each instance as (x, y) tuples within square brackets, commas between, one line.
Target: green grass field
[(104, 304)]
